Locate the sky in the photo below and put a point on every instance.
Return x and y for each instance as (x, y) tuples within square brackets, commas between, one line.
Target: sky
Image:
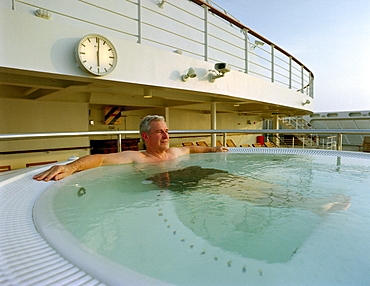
[(330, 37)]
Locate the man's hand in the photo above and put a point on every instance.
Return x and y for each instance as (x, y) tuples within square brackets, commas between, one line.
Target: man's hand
[(221, 149), (56, 172)]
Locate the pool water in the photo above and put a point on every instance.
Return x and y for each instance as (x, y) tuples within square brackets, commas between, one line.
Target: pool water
[(212, 232)]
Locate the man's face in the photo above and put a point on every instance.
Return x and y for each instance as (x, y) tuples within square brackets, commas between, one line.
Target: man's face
[(158, 136)]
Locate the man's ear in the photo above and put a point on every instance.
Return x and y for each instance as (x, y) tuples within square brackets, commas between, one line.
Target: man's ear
[(145, 136)]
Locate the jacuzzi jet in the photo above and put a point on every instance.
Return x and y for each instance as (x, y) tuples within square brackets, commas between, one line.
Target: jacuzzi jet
[(81, 192)]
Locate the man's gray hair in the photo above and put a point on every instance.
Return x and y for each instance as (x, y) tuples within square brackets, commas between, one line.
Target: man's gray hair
[(145, 122)]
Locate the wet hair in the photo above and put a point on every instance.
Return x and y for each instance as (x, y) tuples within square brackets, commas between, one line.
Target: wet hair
[(145, 122)]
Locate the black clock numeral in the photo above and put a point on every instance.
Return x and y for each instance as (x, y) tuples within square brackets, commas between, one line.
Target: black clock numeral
[(105, 70), (83, 45)]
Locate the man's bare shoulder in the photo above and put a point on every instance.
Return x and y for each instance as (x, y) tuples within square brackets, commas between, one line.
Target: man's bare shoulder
[(124, 157), (178, 151)]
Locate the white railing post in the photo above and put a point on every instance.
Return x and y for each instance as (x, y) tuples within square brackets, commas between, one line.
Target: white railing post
[(311, 85), (290, 72), (139, 22), (272, 63), (302, 79), (119, 143), (246, 50), (205, 7)]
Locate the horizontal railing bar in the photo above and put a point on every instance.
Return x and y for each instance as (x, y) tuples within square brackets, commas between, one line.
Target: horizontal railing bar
[(249, 131), (63, 134), (283, 131)]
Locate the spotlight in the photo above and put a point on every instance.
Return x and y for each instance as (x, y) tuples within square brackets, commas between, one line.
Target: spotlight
[(161, 3), (191, 73), (220, 70), (256, 43), (148, 93), (43, 14)]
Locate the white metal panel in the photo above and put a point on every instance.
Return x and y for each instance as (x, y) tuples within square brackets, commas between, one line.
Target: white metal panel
[(172, 41), (82, 14), (189, 30)]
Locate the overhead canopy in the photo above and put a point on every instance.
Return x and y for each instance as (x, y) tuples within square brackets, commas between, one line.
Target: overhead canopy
[(32, 85)]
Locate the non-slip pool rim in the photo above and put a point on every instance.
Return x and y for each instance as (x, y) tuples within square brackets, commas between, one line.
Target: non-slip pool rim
[(27, 259)]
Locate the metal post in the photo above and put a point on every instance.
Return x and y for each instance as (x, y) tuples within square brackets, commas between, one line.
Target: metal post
[(213, 123), (290, 72), (224, 139), (246, 50), (119, 143), (339, 141), (311, 85), (302, 79), (139, 22), (205, 32), (272, 63)]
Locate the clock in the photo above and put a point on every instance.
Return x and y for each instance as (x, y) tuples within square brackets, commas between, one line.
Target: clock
[(96, 55)]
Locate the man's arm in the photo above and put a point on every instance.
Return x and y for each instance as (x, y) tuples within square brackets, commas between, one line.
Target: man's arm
[(180, 151), (202, 149), (59, 172)]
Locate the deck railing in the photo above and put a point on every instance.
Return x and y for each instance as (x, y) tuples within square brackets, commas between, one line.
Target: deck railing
[(224, 133)]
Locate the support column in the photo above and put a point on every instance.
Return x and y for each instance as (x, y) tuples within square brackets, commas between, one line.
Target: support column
[(213, 123), (167, 116), (275, 125), (339, 142)]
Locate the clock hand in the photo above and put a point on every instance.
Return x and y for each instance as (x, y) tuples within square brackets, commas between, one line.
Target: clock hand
[(97, 53)]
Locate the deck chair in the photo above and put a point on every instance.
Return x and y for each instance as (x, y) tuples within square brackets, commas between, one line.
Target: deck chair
[(245, 145), (188, 144), (39, 163), (230, 143), (366, 144), (257, 145), (202, 143), (270, 144), (5, 168)]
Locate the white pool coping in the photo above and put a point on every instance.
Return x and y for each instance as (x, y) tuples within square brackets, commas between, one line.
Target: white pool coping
[(27, 259)]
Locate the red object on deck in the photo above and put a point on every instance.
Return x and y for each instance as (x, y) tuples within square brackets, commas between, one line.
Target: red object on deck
[(261, 140)]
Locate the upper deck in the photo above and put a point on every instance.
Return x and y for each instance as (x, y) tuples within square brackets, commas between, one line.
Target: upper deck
[(157, 42)]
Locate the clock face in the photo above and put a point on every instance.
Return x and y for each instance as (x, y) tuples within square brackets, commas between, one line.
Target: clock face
[(96, 55)]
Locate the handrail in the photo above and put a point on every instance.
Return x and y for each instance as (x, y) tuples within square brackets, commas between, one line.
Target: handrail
[(253, 33), (224, 132)]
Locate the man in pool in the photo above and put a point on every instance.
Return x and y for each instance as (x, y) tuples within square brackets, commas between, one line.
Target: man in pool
[(153, 130), (220, 182)]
